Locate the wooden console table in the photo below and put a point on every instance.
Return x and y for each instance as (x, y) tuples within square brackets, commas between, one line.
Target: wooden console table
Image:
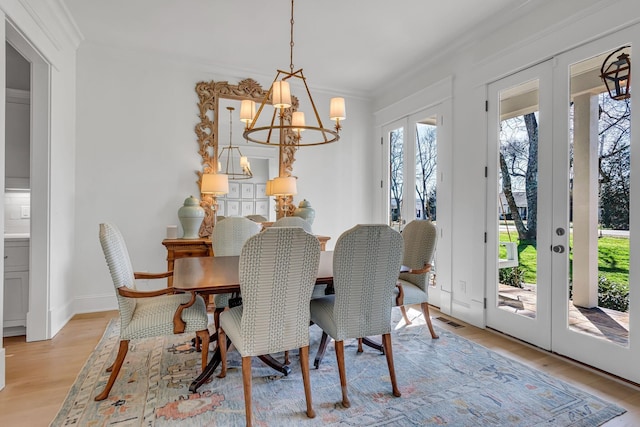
[(183, 248)]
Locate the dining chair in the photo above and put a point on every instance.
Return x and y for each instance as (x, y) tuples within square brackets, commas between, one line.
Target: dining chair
[(227, 239), (420, 238), (366, 261), (148, 314), (294, 221), (277, 272), (419, 242)]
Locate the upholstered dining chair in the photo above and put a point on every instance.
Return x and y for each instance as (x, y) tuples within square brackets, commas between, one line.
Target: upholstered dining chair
[(294, 221), (420, 238), (366, 261), (227, 239), (277, 272), (147, 314)]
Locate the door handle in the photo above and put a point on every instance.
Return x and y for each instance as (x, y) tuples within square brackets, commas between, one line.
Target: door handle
[(558, 249)]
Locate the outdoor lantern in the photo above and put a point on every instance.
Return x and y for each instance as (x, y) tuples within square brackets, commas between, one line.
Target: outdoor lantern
[(617, 75)]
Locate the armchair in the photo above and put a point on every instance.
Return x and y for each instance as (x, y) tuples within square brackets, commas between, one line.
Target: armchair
[(147, 314)]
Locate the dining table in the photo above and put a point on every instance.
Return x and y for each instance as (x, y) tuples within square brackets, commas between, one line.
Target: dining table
[(220, 275)]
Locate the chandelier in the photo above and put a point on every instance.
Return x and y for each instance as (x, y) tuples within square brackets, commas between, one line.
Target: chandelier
[(287, 130), (235, 171)]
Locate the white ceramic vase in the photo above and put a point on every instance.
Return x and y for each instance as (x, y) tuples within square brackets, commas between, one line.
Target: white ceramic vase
[(191, 215)]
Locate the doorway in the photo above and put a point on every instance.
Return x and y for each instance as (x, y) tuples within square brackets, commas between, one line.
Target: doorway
[(559, 222), (38, 315), (413, 151)]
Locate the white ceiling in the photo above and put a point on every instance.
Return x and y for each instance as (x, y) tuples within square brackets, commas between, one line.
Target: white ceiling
[(350, 46)]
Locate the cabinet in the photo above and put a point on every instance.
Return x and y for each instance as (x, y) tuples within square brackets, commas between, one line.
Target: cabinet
[(16, 286)]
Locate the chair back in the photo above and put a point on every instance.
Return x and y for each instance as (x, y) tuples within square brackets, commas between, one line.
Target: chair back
[(117, 257), (366, 262), (294, 221), (228, 236), (420, 239), (278, 270)]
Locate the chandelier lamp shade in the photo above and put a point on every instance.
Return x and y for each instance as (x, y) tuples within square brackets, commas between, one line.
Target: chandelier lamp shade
[(287, 130), (236, 166), (616, 74)]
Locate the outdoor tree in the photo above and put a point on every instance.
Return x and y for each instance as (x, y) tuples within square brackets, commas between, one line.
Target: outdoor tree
[(426, 152), (614, 162), (395, 172), (519, 169)]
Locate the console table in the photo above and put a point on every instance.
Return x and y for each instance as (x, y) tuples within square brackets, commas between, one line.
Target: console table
[(183, 248)]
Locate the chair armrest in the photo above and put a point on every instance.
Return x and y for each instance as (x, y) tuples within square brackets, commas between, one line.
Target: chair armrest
[(140, 275), (132, 293), (425, 269), (179, 325)]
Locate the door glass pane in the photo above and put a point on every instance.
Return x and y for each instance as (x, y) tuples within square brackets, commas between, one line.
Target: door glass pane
[(426, 169), (600, 150), (518, 199), (396, 178)]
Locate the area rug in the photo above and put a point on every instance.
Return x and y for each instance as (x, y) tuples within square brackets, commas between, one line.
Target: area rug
[(449, 381)]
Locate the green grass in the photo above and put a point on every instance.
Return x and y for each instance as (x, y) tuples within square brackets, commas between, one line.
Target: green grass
[(613, 258)]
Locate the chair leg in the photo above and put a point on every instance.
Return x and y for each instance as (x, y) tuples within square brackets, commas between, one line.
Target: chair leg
[(404, 315), (304, 366), (360, 349), (222, 345), (286, 357), (203, 338), (246, 384), (115, 369), (386, 342), (321, 349), (343, 374), (216, 317), (427, 317)]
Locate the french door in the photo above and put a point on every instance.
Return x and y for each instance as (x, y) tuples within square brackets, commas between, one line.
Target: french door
[(520, 188), (560, 221), (413, 175)]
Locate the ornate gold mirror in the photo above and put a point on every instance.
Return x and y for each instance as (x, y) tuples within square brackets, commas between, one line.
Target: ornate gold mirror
[(209, 96)]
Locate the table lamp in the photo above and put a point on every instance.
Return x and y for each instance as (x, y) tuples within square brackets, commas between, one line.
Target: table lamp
[(215, 184)]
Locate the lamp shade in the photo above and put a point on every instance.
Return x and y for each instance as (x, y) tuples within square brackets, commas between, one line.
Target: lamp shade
[(269, 188), (284, 186), (337, 109), (281, 94), (214, 183), (247, 110), (297, 119)]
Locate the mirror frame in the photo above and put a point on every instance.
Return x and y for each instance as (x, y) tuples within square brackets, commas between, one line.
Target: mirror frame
[(209, 95)]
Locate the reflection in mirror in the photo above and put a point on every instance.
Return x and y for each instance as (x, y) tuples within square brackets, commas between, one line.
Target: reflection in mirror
[(213, 131)]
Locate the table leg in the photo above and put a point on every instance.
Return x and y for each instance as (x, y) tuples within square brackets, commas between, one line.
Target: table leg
[(209, 370)]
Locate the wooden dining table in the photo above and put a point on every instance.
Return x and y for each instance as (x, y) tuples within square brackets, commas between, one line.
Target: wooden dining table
[(220, 275)]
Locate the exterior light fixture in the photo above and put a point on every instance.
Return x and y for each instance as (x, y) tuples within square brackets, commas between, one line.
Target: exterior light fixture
[(617, 75)]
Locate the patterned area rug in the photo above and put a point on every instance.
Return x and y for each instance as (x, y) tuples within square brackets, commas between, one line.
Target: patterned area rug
[(450, 381)]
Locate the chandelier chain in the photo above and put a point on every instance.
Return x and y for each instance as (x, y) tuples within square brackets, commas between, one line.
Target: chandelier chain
[(291, 42)]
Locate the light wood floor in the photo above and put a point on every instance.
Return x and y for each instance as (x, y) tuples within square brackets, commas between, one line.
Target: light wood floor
[(40, 374)]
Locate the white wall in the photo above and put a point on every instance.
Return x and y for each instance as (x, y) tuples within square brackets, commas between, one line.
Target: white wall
[(548, 29), (137, 161)]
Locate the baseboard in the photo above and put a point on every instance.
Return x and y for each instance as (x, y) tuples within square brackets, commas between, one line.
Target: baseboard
[(2, 370), (95, 303)]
